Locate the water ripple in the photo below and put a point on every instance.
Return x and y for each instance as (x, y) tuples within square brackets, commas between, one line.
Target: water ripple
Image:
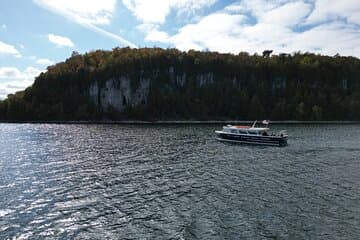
[(176, 182)]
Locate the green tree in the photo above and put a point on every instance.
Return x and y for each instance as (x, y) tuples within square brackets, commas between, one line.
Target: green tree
[(300, 111), (317, 112)]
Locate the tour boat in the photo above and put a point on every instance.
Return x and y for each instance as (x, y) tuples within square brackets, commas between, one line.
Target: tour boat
[(252, 135)]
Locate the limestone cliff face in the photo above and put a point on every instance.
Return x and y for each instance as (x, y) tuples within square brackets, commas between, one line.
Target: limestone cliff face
[(117, 93)]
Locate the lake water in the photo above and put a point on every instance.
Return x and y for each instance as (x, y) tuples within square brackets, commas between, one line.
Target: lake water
[(177, 182)]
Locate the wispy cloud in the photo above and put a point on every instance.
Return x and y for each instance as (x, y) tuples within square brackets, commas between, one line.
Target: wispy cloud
[(153, 33), (325, 11), (255, 25), (155, 12), (88, 14), (8, 74), (84, 11), (12, 79), (242, 25), (289, 14), (4, 27), (7, 49), (153, 16), (60, 41), (44, 61), (114, 36)]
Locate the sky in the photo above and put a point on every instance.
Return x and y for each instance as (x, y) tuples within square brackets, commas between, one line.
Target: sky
[(37, 33)]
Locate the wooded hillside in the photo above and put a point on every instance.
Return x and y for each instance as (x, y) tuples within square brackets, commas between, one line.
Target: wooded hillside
[(191, 85)]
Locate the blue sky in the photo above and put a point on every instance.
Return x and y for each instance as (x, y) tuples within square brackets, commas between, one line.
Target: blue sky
[(38, 33)]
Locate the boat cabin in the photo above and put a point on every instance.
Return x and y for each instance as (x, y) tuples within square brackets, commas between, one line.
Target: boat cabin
[(247, 130)]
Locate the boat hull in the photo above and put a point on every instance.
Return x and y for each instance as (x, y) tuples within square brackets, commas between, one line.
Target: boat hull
[(252, 139)]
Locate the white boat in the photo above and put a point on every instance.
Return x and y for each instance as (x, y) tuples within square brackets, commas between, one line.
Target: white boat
[(252, 135)]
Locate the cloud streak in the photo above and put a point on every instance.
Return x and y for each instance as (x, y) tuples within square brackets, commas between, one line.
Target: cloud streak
[(7, 49), (255, 25), (325, 11), (44, 61), (60, 41), (12, 79), (114, 36), (153, 16), (155, 12), (88, 14)]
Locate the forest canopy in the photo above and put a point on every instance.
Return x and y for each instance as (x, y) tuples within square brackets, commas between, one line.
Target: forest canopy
[(213, 86)]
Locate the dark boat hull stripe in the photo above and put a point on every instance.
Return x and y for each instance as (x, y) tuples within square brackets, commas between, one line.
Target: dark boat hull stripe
[(254, 139)]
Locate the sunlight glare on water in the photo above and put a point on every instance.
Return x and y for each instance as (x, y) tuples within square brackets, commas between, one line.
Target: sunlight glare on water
[(177, 182)]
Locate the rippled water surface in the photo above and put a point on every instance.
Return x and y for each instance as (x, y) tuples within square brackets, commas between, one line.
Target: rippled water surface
[(177, 182)]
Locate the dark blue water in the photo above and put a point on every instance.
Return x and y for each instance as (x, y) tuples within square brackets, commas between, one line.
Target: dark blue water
[(177, 182)]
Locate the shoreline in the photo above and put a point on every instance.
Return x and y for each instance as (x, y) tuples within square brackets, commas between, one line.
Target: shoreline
[(180, 122)]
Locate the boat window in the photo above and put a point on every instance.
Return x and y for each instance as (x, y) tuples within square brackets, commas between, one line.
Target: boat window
[(252, 133), (242, 132), (233, 131), (225, 129)]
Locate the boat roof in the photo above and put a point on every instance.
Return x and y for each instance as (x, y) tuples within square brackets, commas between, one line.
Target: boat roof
[(238, 126), (258, 129), (247, 128)]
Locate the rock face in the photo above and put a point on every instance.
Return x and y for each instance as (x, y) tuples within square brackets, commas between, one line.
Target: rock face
[(206, 78), (117, 93)]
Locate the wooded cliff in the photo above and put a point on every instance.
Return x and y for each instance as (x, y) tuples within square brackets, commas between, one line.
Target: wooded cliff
[(168, 84)]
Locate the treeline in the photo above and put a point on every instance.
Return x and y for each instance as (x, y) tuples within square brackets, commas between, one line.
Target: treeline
[(195, 85)]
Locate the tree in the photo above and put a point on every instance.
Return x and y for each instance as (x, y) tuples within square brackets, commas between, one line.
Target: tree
[(317, 112), (300, 111), (266, 53), (75, 53)]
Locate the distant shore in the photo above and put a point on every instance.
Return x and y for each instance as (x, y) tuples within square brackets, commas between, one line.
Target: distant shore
[(180, 122)]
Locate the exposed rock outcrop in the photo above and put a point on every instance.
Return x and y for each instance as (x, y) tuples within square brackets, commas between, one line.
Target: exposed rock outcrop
[(117, 93)]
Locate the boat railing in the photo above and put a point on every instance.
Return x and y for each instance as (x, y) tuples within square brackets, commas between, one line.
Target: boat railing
[(254, 124), (283, 133)]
